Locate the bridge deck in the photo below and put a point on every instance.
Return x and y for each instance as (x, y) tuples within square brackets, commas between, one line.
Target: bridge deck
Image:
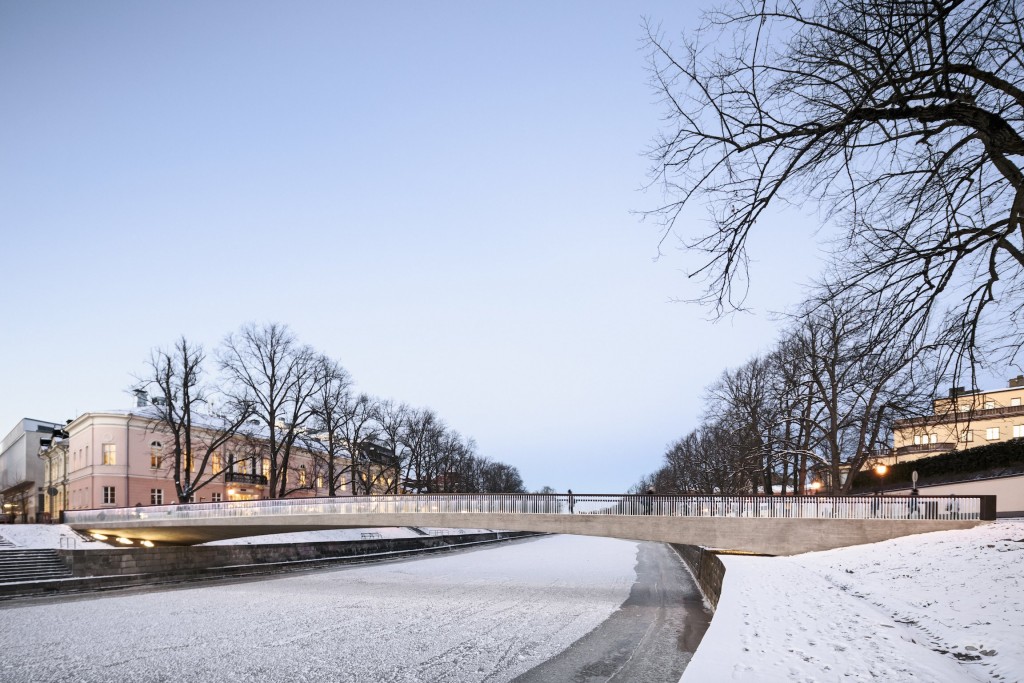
[(770, 525)]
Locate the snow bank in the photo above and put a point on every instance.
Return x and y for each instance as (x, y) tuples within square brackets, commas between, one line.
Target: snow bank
[(940, 607), (47, 536)]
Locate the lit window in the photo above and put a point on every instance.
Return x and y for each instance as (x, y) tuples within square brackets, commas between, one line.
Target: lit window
[(1018, 431), (109, 454), (266, 467), (156, 496), (242, 466), (215, 462), (319, 481), (967, 435), (992, 433), (109, 495), (302, 475), (156, 452), (216, 497)]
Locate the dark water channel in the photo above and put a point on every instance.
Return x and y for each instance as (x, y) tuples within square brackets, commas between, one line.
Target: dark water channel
[(650, 638)]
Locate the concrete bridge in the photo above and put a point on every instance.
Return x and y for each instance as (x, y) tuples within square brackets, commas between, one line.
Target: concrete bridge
[(770, 525)]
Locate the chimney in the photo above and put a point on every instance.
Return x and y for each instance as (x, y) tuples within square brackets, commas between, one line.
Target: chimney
[(955, 391), (1017, 381), (141, 398)]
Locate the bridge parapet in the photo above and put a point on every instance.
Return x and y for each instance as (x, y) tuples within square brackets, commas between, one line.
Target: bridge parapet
[(762, 507)]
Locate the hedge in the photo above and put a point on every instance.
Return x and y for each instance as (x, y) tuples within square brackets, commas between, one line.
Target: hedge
[(967, 462)]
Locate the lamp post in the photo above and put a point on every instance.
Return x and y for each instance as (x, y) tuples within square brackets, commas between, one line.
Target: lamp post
[(881, 470)]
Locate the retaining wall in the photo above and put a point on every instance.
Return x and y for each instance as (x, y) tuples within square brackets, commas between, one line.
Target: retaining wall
[(116, 568), (185, 559), (708, 571)]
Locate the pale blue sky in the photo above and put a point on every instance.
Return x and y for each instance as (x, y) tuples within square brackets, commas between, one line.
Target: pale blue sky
[(436, 194)]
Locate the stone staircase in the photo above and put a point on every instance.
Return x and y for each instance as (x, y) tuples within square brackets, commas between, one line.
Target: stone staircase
[(25, 564)]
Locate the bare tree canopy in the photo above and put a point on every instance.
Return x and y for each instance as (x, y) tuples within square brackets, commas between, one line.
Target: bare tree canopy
[(902, 122), (184, 410)]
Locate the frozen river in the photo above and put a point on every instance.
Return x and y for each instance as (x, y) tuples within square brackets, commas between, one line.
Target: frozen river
[(485, 615)]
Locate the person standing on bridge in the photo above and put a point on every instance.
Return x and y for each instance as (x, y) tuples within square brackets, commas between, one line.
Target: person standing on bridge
[(572, 503)]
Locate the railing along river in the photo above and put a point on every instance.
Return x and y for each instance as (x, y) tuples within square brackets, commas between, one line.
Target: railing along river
[(807, 507)]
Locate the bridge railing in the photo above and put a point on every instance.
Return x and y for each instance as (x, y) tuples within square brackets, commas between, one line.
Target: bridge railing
[(807, 507)]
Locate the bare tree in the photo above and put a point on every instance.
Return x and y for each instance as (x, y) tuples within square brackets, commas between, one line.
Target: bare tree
[(360, 433), (267, 368), (708, 460), (327, 437), (184, 410), (859, 379), (742, 399), (902, 121)]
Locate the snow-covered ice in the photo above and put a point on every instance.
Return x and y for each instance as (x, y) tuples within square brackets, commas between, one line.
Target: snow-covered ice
[(942, 607), (486, 615)]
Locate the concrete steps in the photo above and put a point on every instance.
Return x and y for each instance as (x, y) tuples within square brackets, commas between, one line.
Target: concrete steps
[(18, 565)]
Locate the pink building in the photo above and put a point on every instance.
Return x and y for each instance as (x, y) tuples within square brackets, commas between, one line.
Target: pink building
[(122, 459)]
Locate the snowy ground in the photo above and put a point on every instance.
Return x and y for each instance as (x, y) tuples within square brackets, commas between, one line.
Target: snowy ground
[(46, 536), (485, 615), (936, 608)]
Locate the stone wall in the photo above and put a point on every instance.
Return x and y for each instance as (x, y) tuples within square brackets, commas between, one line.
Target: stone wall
[(708, 571), (188, 561)]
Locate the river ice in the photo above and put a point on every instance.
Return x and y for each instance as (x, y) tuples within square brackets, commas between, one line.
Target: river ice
[(485, 615)]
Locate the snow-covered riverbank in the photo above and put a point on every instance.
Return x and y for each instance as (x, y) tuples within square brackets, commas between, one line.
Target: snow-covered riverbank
[(942, 608)]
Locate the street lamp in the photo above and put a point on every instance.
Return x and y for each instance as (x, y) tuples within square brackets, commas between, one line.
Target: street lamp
[(815, 487), (881, 470)]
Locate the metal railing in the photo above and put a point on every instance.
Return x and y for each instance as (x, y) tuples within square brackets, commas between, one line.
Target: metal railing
[(804, 507)]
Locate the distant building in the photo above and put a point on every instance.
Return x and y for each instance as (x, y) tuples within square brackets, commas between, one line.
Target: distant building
[(22, 475), (123, 458), (961, 420)]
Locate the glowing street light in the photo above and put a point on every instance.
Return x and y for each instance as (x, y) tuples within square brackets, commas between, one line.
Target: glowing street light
[(880, 470)]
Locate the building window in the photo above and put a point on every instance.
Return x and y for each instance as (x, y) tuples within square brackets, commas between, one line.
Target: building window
[(302, 475), (1018, 431), (963, 407), (990, 404), (156, 496), (266, 467), (156, 454), (967, 435), (242, 467), (933, 438), (109, 496), (1014, 402), (215, 462), (319, 481), (992, 433), (216, 497), (109, 454)]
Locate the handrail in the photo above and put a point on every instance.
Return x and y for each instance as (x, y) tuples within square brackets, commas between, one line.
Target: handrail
[(807, 507)]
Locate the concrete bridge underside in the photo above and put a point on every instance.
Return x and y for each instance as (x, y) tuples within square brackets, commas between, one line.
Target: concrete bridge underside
[(770, 536)]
